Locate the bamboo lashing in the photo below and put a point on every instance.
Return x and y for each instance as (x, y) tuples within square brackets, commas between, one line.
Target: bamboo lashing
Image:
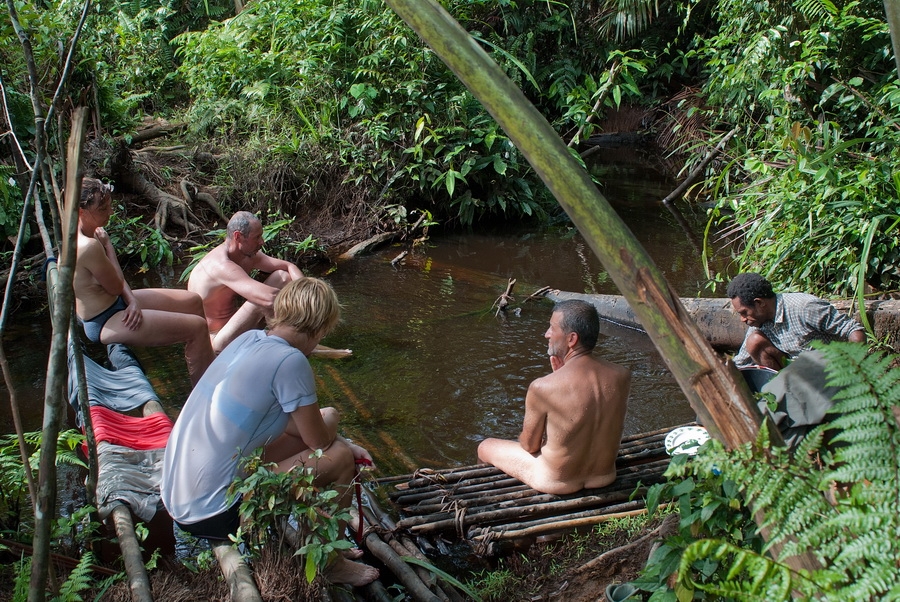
[(481, 504)]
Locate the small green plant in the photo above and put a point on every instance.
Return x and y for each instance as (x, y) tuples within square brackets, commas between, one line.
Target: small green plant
[(204, 561), (500, 584), (272, 501), (709, 506), (133, 239)]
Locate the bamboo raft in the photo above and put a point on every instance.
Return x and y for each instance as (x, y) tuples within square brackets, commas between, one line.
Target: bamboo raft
[(492, 512)]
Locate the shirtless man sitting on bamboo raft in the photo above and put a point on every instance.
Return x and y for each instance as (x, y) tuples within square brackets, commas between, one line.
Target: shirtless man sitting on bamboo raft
[(574, 416)]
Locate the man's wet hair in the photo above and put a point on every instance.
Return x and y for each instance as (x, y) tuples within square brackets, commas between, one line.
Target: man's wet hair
[(581, 318), (92, 192), (749, 286), (240, 222)]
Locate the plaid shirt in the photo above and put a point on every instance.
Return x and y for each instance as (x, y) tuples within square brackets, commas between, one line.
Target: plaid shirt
[(800, 319)]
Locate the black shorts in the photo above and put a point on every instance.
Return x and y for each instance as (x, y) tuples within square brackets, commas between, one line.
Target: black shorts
[(219, 526)]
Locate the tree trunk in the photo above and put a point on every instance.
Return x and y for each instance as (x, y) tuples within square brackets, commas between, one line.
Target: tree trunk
[(892, 11), (61, 297)]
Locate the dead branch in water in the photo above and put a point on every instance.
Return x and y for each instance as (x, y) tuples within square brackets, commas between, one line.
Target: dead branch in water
[(537, 295), (503, 300), (399, 258)]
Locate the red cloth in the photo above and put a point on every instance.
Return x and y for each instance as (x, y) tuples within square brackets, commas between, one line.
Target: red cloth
[(148, 432)]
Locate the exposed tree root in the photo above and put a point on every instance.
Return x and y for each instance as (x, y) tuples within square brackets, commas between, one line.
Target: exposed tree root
[(168, 206)]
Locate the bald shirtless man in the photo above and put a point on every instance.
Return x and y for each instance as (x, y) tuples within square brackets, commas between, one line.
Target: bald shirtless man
[(222, 278), (574, 416)]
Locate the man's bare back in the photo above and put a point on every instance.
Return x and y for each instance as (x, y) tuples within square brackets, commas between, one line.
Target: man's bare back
[(574, 416), (584, 403)]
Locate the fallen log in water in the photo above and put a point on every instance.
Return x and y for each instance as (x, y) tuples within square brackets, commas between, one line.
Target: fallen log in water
[(723, 328)]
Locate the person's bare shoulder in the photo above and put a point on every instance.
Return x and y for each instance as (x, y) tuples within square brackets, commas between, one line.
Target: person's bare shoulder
[(213, 268), (542, 388), (90, 252), (612, 370)]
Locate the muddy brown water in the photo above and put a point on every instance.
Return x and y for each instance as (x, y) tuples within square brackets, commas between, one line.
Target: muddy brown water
[(434, 370)]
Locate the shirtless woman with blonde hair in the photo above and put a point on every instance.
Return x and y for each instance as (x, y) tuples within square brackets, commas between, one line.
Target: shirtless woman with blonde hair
[(112, 312)]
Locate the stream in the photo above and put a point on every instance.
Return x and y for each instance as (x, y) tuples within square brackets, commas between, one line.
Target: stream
[(435, 368)]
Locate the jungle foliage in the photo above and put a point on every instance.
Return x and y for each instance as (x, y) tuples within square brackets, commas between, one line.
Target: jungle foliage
[(810, 184), (339, 102), (338, 99), (853, 459)]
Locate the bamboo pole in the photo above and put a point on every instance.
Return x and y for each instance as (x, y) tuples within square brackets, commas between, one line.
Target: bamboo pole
[(626, 477), (646, 435), (559, 526), (418, 590), (624, 506), (237, 574), (375, 516), (507, 483), (453, 477), (436, 479), (433, 505), (410, 496), (527, 495), (447, 520), (138, 581), (403, 546), (428, 471), (59, 293), (383, 518)]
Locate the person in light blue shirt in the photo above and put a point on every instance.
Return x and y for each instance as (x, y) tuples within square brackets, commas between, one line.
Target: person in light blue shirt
[(260, 392)]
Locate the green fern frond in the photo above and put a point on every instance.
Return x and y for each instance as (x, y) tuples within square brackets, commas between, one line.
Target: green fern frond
[(751, 576), (79, 580), (855, 536), (816, 10)]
